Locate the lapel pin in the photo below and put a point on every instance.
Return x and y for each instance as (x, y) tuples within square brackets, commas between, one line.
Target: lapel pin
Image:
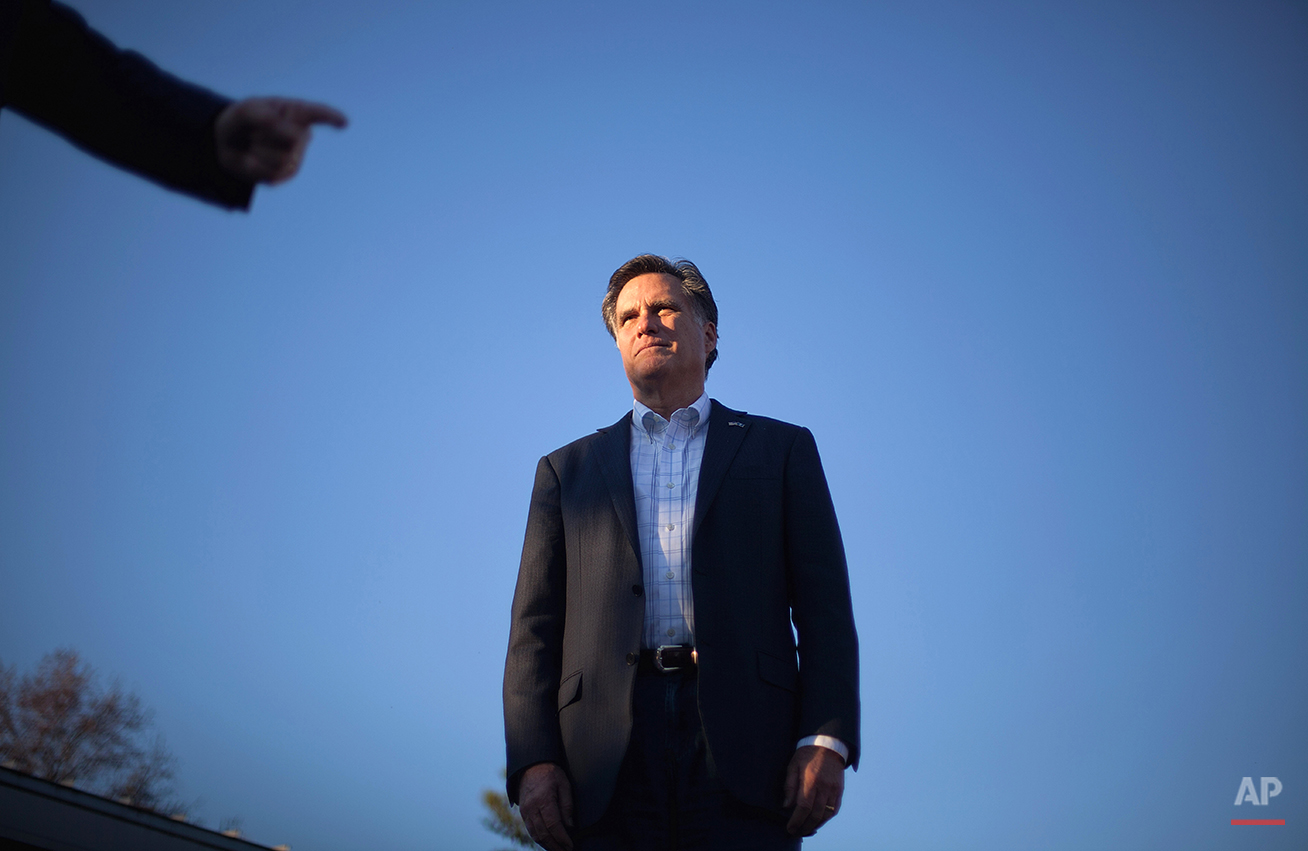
[(734, 423)]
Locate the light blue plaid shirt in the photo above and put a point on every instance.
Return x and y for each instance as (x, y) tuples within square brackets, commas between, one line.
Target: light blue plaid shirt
[(665, 461)]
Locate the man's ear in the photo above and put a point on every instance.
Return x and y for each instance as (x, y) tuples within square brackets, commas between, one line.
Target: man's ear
[(710, 337)]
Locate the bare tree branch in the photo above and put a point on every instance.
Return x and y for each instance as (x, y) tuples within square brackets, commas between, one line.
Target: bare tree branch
[(60, 725)]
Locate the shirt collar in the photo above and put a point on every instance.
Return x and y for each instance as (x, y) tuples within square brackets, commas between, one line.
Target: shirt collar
[(700, 406)]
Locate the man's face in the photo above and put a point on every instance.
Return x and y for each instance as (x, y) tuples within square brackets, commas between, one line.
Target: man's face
[(663, 345)]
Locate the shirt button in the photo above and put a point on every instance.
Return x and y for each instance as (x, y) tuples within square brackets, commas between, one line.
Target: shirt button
[(671, 575), (669, 484), (671, 632), (672, 446), (671, 526)]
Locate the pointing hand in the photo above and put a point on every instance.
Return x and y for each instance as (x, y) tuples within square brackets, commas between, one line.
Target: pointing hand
[(262, 140)]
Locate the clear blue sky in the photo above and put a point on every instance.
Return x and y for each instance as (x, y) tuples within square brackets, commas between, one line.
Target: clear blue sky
[(1035, 275)]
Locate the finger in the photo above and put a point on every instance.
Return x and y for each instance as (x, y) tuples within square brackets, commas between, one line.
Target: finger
[(791, 787), (287, 168), (266, 167), (798, 819), (555, 830), (540, 825), (255, 169), (825, 807), (534, 829), (277, 165), (550, 830), (280, 135), (816, 818), (837, 797), (565, 803), (305, 112)]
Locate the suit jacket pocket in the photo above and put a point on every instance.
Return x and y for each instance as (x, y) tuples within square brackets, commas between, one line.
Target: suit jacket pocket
[(570, 689), (752, 471), (778, 672)]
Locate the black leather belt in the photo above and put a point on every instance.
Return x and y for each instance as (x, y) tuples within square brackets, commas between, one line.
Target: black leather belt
[(668, 659)]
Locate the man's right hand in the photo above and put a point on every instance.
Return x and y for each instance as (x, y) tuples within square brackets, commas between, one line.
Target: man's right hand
[(545, 801)]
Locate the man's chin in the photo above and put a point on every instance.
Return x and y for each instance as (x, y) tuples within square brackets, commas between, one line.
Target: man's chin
[(652, 363)]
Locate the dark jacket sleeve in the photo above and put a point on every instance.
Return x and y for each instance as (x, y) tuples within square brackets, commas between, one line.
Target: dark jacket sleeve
[(113, 103), (533, 665), (820, 599)]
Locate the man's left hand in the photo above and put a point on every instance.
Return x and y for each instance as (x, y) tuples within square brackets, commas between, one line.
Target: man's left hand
[(815, 783), (262, 140)]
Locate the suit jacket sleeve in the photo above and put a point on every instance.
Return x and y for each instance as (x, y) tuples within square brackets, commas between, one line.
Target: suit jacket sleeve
[(113, 103), (532, 668), (820, 602)]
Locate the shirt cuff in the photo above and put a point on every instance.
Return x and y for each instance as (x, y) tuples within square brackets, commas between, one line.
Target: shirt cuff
[(829, 742)]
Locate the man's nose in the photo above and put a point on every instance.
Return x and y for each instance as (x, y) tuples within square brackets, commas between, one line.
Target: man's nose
[(648, 323)]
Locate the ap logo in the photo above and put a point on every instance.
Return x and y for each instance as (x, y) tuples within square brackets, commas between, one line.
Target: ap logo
[(1246, 792)]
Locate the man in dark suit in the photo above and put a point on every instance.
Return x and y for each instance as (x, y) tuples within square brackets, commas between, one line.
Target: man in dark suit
[(118, 105), (654, 693)]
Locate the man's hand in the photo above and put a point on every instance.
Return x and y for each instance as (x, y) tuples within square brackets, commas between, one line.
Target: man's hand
[(815, 782), (262, 140), (545, 801)]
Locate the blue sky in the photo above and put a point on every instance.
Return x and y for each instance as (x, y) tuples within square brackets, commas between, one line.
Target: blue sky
[(1035, 275)]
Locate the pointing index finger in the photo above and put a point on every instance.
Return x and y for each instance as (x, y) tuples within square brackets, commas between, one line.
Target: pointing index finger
[(306, 112)]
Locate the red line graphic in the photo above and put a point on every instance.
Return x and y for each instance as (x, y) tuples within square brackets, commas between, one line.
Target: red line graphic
[(1279, 821)]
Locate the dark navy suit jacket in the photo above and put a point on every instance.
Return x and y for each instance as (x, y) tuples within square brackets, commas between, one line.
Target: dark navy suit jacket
[(766, 550)]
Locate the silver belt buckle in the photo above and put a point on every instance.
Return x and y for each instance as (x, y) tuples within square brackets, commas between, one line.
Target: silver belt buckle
[(658, 657)]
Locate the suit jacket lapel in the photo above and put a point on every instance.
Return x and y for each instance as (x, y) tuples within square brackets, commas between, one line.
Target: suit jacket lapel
[(720, 446), (613, 452)]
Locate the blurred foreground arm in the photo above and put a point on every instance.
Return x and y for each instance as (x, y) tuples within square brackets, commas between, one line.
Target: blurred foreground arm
[(119, 106)]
